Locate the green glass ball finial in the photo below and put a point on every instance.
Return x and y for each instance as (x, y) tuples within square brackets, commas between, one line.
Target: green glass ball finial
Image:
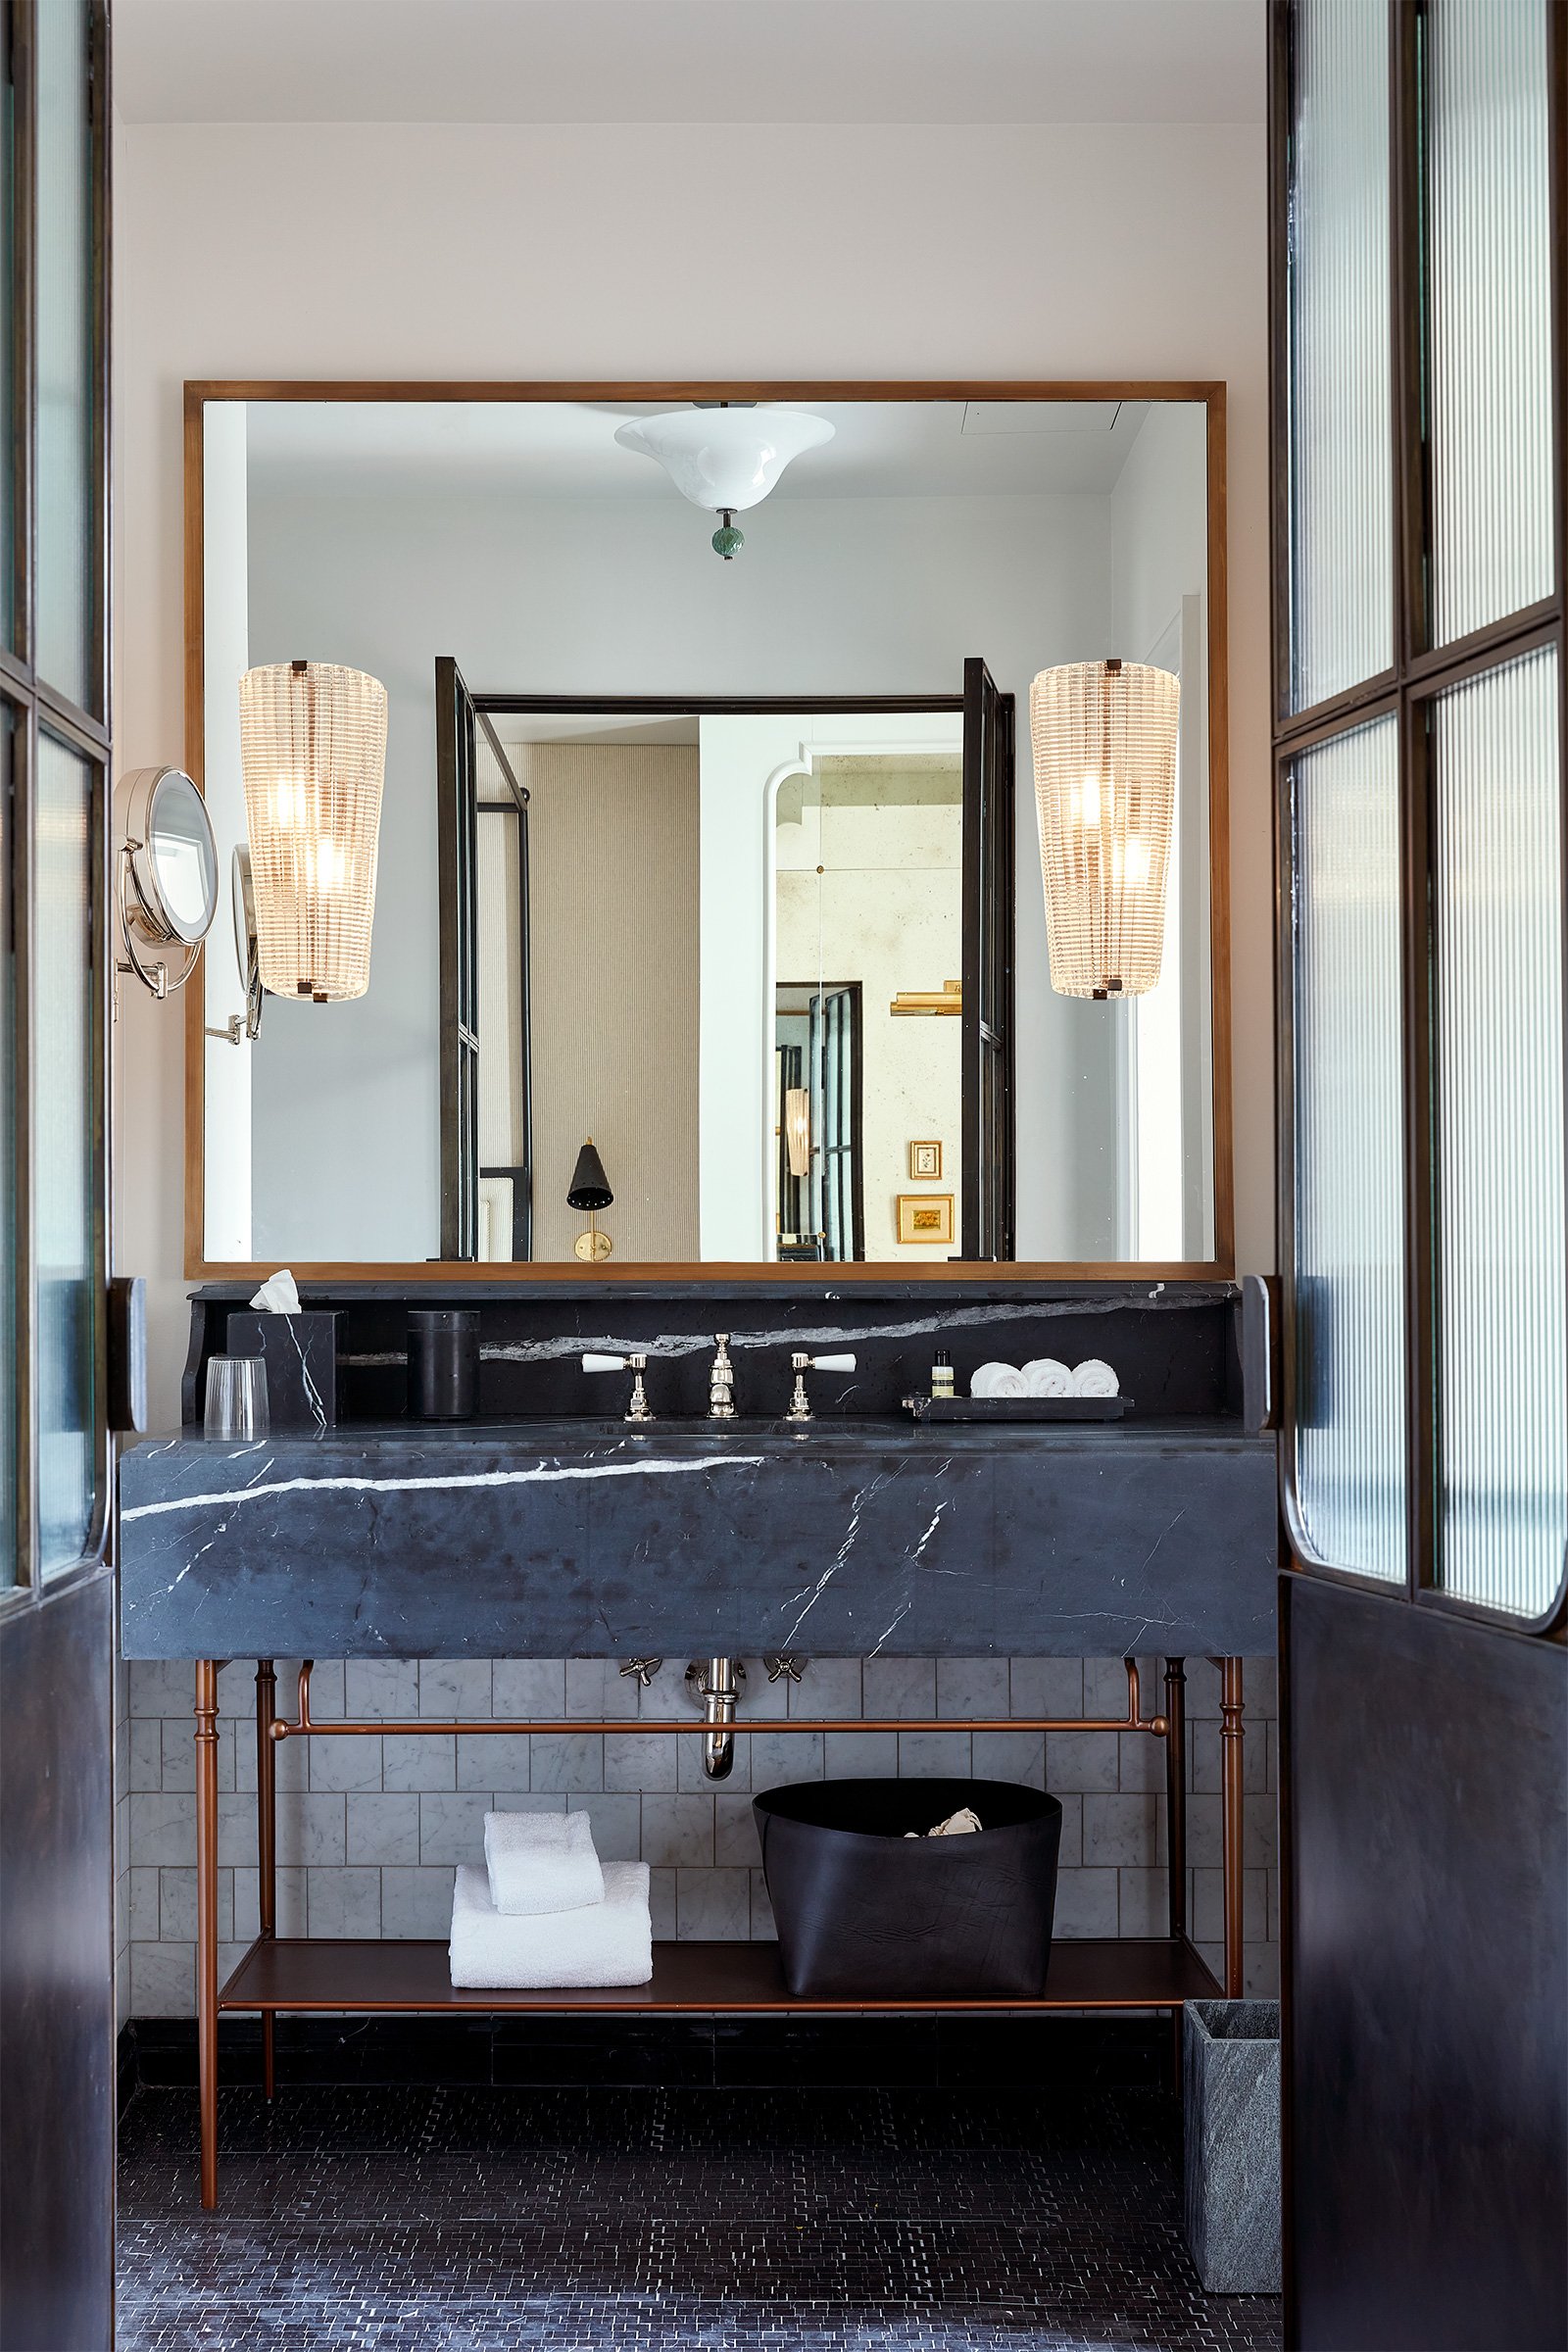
[(728, 540)]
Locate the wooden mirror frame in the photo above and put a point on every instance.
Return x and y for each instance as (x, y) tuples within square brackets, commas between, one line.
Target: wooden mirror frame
[(1212, 396)]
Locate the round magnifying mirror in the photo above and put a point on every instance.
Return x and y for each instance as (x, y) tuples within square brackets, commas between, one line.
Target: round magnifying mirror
[(171, 853)]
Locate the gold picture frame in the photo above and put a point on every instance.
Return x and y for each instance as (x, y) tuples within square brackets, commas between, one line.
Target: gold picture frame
[(925, 1163), (925, 1217)]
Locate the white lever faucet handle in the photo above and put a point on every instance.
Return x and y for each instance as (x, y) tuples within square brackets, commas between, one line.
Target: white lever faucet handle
[(834, 1364), (604, 1364)]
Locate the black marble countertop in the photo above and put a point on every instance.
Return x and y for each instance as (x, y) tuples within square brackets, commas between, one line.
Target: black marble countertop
[(846, 1536)]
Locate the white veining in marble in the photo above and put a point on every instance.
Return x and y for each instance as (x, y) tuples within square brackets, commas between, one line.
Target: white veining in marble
[(543, 1474)]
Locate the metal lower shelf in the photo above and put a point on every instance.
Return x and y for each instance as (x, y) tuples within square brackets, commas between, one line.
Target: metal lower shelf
[(319, 1973)]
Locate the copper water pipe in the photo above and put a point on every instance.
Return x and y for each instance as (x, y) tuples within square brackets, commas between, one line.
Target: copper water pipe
[(206, 1920), (1232, 1734), (266, 1842)]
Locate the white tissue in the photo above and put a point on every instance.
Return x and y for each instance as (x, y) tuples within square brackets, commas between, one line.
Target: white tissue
[(1045, 1377), (1092, 1378), (279, 1295), (962, 1823)]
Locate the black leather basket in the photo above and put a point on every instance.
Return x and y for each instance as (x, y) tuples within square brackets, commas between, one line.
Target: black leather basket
[(865, 1911)]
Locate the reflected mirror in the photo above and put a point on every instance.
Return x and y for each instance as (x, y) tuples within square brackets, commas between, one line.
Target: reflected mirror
[(709, 836)]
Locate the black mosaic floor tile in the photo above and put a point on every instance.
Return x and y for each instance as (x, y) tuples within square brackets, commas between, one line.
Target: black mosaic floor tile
[(450, 2219)]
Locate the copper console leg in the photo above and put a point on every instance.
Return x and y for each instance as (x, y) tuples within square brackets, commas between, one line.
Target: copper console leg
[(1176, 1827), (1230, 1736), (266, 1840), (207, 1919)]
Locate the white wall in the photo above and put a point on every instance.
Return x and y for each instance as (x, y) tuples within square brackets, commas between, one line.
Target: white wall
[(849, 252)]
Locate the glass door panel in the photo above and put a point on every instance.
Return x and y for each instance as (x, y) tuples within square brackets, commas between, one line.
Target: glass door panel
[(64, 1152), (68, 538), (1349, 1181), (1340, 457), (1489, 278), (1497, 1089)]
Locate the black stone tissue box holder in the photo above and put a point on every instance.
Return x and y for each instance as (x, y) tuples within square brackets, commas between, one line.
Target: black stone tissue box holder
[(300, 1352)]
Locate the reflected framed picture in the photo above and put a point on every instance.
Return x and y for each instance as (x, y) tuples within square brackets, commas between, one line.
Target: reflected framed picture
[(925, 1162), (925, 1217)]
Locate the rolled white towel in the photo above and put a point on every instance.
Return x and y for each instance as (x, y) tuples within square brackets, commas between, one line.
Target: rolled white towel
[(998, 1380), (602, 1944), (1092, 1378), (541, 1863), (1045, 1377)]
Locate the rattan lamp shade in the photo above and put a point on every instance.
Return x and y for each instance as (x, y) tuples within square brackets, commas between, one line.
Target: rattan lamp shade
[(313, 744), (1104, 746)]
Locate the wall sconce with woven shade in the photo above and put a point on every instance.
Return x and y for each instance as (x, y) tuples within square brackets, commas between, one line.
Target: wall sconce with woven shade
[(313, 746), (1105, 748), (798, 1129)]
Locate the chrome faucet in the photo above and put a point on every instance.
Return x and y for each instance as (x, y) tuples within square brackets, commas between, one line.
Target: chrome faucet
[(639, 1408), (799, 1365), (722, 1382)]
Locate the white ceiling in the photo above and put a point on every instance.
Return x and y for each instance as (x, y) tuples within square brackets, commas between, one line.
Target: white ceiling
[(560, 449), (689, 61)]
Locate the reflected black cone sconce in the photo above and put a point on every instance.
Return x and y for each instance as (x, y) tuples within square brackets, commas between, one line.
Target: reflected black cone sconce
[(589, 1190)]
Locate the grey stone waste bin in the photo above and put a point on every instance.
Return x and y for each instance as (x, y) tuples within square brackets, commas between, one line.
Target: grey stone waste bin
[(1231, 2157)]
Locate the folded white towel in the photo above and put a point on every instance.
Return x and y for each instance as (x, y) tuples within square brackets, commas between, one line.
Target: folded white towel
[(603, 1943), (998, 1380), (1092, 1378), (541, 1862), (1045, 1377)]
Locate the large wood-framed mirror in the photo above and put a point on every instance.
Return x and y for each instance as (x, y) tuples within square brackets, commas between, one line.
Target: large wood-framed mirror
[(725, 856)]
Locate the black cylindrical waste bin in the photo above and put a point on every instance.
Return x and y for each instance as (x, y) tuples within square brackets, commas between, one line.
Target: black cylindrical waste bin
[(864, 1909)]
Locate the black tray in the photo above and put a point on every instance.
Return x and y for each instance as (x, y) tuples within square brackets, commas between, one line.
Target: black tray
[(1018, 1408)]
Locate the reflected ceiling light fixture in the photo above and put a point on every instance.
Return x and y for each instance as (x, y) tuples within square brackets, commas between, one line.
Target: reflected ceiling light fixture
[(313, 746), (725, 455), (1104, 750)]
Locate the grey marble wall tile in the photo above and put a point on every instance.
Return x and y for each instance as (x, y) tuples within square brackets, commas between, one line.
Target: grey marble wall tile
[(326, 1688), (236, 1829), (1141, 1758), (829, 1689), (1202, 1689), (291, 1763), (765, 1926), (1086, 1903), (678, 1832), (236, 1689), (459, 1689), (899, 1687), (343, 1902), (596, 1688), (973, 1687), (452, 1827), (529, 1689), (177, 1905), (179, 1755), (141, 1922), (1261, 1972), (144, 1752), (408, 1761), (1106, 1687), (1009, 1756), (640, 1761), (290, 1919), (1259, 1831), (337, 1765), (690, 1774), (1080, 1760), (617, 1825), (417, 1903), (713, 1906), (1143, 1902), (162, 1980), (1207, 1906), (534, 1801), (1122, 1831), (163, 1828), (661, 1904), (498, 1760), (163, 1687), (766, 1700), (382, 1829), (861, 1755), (310, 1829), (934, 1755), (566, 1760), (1204, 1850), (1046, 1689), (735, 1839), (780, 1757), (1209, 1761), (383, 1688)]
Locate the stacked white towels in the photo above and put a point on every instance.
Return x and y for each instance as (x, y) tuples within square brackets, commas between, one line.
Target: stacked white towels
[(609, 1943), (1045, 1377), (541, 1862), (544, 1912)]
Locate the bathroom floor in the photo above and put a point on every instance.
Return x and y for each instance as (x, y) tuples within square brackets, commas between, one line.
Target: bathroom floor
[(819, 2217)]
